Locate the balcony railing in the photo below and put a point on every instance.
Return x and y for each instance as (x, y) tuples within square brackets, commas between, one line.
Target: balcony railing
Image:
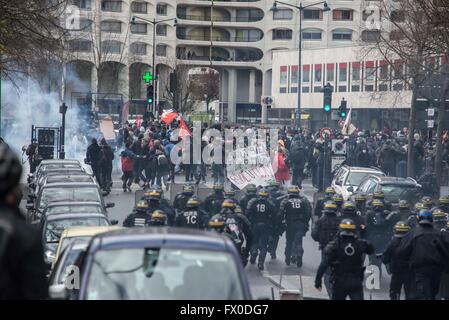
[(220, 38), (219, 19), (218, 58)]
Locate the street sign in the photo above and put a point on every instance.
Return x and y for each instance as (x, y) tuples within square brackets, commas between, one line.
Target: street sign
[(267, 100), (147, 77), (338, 147), (325, 131), (431, 112), (430, 123)]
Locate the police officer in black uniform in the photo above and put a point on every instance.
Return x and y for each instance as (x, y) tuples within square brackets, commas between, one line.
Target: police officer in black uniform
[(427, 203), (158, 219), (212, 203), (401, 273), (262, 215), (275, 195), (164, 205), (443, 203), (345, 256), (338, 199), (251, 193), (319, 205), (439, 219), (360, 204), (180, 201), (349, 211), (427, 250), (192, 216), (296, 211), (324, 231), (403, 212), (139, 217)]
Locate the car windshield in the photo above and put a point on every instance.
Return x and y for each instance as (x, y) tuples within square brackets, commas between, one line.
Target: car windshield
[(394, 192), (355, 178), (55, 228), (74, 209), (163, 274), (67, 240), (68, 194)]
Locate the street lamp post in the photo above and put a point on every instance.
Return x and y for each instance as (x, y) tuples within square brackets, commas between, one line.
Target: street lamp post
[(154, 22), (300, 8)]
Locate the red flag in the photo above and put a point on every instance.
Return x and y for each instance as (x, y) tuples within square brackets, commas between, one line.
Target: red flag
[(184, 129), (168, 116)]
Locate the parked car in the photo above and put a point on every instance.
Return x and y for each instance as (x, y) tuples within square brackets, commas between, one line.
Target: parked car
[(394, 188), (49, 164), (347, 179), (73, 207), (160, 263), (60, 175)]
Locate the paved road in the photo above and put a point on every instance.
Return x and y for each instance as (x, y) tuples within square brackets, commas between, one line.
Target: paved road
[(261, 282)]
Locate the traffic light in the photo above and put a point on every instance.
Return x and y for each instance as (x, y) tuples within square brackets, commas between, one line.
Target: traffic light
[(150, 94), (327, 98), (342, 110)]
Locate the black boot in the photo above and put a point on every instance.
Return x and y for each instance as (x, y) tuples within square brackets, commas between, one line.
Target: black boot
[(299, 262), (287, 260), (260, 265)]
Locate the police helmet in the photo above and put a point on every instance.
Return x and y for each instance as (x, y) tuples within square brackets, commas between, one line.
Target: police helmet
[(378, 195), (293, 190), (188, 189), (218, 187), (427, 202), (263, 193), (439, 215), (153, 195), (338, 199), (377, 204), (229, 193), (443, 200), (193, 202), (403, 205), (228, 204), (401, 229), (347, 227), (159, 216), (251, 188), (418, 207), (425, 217), (217, 222), (330, 191), (238, 210), (360, 198), (142, 205), (330, 206), (348, 207)]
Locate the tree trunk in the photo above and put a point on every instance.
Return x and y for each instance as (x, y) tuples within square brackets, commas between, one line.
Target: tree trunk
[(440, 124), (411, 132)]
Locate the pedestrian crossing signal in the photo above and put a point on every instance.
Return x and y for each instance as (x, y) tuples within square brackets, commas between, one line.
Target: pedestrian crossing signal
[(150, 94), (343, 109), (327, 97)]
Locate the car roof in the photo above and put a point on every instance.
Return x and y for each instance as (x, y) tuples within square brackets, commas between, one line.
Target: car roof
[(157, 236), (75, 203), (74, 216), (363, 169), (87, 231), (57, 161), (397, 180), (64, 178), (70, 184)]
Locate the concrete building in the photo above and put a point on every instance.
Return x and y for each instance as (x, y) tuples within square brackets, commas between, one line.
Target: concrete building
[(238, 38)]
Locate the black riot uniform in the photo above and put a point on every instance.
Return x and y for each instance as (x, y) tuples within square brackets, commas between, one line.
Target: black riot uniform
[(139, 217), (360, 204), (192, 216), (180, 201), (403, 213), (427, 251), (275, 195), (443, 204), (155, 200), (212, 203), (338, 199), (401, 273), (349, 211), (319, 205), (251, 191), (158, 219), (261, 213), (296, 211), (345, 256), (378, 195), (324, 231), (439, 220)]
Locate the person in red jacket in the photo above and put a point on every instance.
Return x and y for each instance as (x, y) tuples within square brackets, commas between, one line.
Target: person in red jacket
[(282, 173), (127, 158)]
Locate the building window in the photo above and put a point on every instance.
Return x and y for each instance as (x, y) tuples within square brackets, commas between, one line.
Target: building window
[(161, 9), (161, 29), (85, 24), (369, 88), (383, 71), (282, 34), (312, 34), (355, 88), (370, 35), (370, 71), (397, 16), (343, 73), (312, 14), (110, 46), (161, 50), (139, 7), (283, 90), (383, 87), (356, 71), (283, 76), (398, 87), (305, 74), (111, 26), (111, 6), (138, 48), (83, 4), (396, 35), (330, 72), (283, 14), (345, 15), (80, 45), (140, 28), (341, 88), (305, 89), (317, 75), (398, 69), (294, 75), (342, 35)]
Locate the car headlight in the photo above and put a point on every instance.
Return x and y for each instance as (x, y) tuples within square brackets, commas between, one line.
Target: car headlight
[(49, 257)]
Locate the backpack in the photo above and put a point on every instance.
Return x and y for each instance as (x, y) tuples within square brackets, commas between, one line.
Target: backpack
[(296, 152), (162, 161), (127, 164)]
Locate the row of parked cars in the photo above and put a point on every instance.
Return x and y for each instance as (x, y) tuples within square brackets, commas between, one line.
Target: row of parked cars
[(89, 257)]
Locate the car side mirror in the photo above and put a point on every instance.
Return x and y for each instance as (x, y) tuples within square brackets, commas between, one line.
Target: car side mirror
[(110, 205), (114, 222), (58, 292), (351, 189)]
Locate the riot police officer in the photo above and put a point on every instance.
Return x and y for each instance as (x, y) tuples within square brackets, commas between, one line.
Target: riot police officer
[(427, 203), (345, 256), (402, 214), (439, 219), (338, 199), (319, 205), (427, 251), (262, 215), (349, 211), (230, 194), (192, 216), (324, 231), (443, 203), (139, 217), (164, 205), (360, 204), (212, 203), (296, 211), (275, 195), (250, 193), (378, 229), (179, 204), (216, 223), (401, 273), (379, 195), (158, 219)]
